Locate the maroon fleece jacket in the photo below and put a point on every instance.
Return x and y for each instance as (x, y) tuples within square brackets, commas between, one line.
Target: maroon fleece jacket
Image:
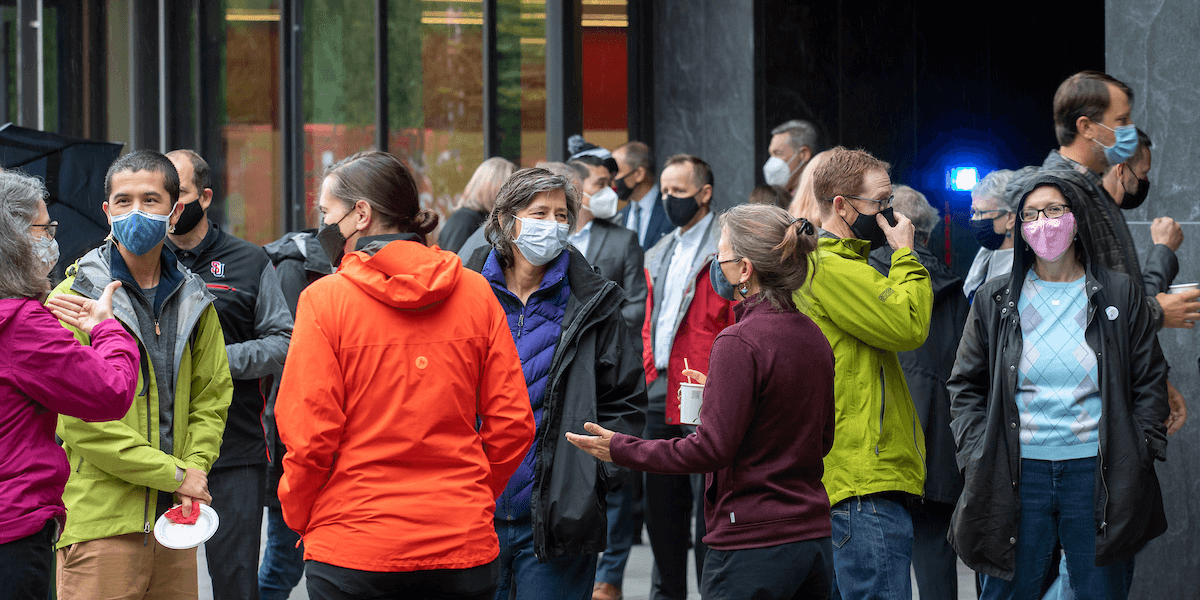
[(767, 423)]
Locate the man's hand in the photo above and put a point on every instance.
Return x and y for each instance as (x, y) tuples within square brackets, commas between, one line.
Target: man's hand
[(1178, 410), (1167, 232), (193, 489), (900, 236), (1180, 310)]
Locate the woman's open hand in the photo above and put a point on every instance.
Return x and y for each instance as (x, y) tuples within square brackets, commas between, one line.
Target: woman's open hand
[(596, 445), (83, 313)]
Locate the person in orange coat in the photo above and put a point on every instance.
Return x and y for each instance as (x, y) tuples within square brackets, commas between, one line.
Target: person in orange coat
[(402, 405)]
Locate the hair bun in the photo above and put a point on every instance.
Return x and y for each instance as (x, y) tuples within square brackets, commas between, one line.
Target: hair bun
[(424, 222)]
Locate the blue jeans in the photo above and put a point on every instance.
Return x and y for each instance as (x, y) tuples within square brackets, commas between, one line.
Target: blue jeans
[(1057, 507), (611, 567), (282, 563), (872, 548), (523, 577)]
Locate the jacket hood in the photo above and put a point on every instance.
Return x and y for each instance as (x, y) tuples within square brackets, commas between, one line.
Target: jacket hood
[(302, 246), (404, 274), (845, 247), (1068, 184)]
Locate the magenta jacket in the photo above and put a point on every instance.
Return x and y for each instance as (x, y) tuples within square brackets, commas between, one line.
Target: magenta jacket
[(44, 371), (767, 422)]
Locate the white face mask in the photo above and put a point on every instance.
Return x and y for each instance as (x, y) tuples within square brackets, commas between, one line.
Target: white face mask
[(603, 203), (776, 171), (46, 249), (541, 241)]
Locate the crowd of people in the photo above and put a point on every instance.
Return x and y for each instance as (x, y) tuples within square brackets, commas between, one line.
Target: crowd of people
[(490, 408)]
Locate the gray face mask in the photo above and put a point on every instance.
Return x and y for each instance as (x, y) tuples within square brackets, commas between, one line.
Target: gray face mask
[(46, 250), (541, 241)]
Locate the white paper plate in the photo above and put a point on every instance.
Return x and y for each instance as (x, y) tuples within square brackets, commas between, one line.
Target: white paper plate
[(182, 537)]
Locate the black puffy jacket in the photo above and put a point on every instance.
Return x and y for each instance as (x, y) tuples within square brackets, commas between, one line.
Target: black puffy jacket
[(983, 387), (596, 375)]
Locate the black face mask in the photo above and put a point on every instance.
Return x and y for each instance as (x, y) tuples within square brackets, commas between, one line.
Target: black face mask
[(623, 190), (1135, 198), (986, 234), (333, 242), (189, 218), (865, 227), (681, 210)]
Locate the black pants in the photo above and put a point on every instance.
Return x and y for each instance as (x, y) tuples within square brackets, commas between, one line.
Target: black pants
[(27, 565), (238, 495), (671, 501), (933, 558), (327, 582), (799, 570)]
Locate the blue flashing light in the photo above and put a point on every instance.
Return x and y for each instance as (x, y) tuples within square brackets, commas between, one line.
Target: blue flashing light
[(962, 179)]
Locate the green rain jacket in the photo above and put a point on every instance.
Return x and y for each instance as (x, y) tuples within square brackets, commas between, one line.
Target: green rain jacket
[(116, 466), (878, 443)]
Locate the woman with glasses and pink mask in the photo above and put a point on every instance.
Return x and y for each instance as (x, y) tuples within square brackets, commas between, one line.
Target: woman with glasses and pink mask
[(1058, 397)]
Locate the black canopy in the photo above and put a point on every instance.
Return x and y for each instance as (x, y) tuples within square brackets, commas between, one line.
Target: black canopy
[(73, 170)]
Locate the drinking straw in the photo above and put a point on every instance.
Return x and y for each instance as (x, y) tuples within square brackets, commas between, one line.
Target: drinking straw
[(687, 368)]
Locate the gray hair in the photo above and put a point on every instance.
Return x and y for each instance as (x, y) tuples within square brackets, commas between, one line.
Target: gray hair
[(800, 134), (20, 275), (481, 190), (916, 207), (993, 187), (517, 193)]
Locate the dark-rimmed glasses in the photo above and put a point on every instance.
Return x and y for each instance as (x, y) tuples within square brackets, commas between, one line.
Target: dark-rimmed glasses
[(1052, 212)]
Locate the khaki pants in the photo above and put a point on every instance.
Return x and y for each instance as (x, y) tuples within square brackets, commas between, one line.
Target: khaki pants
[(126, 567)]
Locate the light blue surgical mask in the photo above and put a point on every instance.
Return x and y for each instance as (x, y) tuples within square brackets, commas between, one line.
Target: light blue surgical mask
[(541, 241), (46, 249), (1124, 146), (139, 231)]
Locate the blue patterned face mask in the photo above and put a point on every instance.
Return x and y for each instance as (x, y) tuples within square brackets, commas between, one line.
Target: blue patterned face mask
[(138, 231)]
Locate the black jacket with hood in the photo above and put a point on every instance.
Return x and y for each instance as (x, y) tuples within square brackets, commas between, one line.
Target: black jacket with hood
[(596, 375), (1132, 376)]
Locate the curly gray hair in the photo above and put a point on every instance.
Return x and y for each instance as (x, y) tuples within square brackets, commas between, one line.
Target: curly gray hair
[(20, 269), (517, 193)]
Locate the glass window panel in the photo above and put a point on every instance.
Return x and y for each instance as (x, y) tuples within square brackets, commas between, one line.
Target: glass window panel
[(435, 87), (250, 127), (339, 86), (605, 73)]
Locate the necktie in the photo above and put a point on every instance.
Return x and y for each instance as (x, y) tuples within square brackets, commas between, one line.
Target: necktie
[(637, 222)]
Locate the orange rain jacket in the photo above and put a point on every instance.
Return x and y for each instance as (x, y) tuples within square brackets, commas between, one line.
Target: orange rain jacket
[(394, 361)]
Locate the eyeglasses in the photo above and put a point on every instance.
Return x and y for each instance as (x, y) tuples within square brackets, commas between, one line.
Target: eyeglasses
[(978, 215), (884, 204), (721, 262), (1052, 212), (51, 227)]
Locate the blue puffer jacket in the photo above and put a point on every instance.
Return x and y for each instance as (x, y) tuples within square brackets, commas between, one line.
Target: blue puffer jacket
[(536, 327)]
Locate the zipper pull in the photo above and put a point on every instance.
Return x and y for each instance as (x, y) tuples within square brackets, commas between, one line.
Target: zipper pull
[(520, 324), (147, 529), (157, 331)]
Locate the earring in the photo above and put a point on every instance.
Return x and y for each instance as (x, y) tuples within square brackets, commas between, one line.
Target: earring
[(744, 290)]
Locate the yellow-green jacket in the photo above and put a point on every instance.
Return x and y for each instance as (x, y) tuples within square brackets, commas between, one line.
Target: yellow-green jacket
[(116, 466), (878, 444)]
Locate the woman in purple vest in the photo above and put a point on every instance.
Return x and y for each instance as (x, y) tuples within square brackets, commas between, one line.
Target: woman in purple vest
[(767, 421)]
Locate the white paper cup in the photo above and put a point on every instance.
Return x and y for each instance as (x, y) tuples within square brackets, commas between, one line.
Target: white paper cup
[(1180, 288), (690, 397)]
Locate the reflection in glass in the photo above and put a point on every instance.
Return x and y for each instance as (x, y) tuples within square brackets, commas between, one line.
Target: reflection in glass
[(250, 127)]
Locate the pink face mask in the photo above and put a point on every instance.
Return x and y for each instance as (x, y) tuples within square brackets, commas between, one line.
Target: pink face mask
[(1049, 238)]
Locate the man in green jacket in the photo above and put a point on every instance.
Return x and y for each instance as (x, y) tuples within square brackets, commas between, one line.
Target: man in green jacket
[(123, 473), (877, 464)]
